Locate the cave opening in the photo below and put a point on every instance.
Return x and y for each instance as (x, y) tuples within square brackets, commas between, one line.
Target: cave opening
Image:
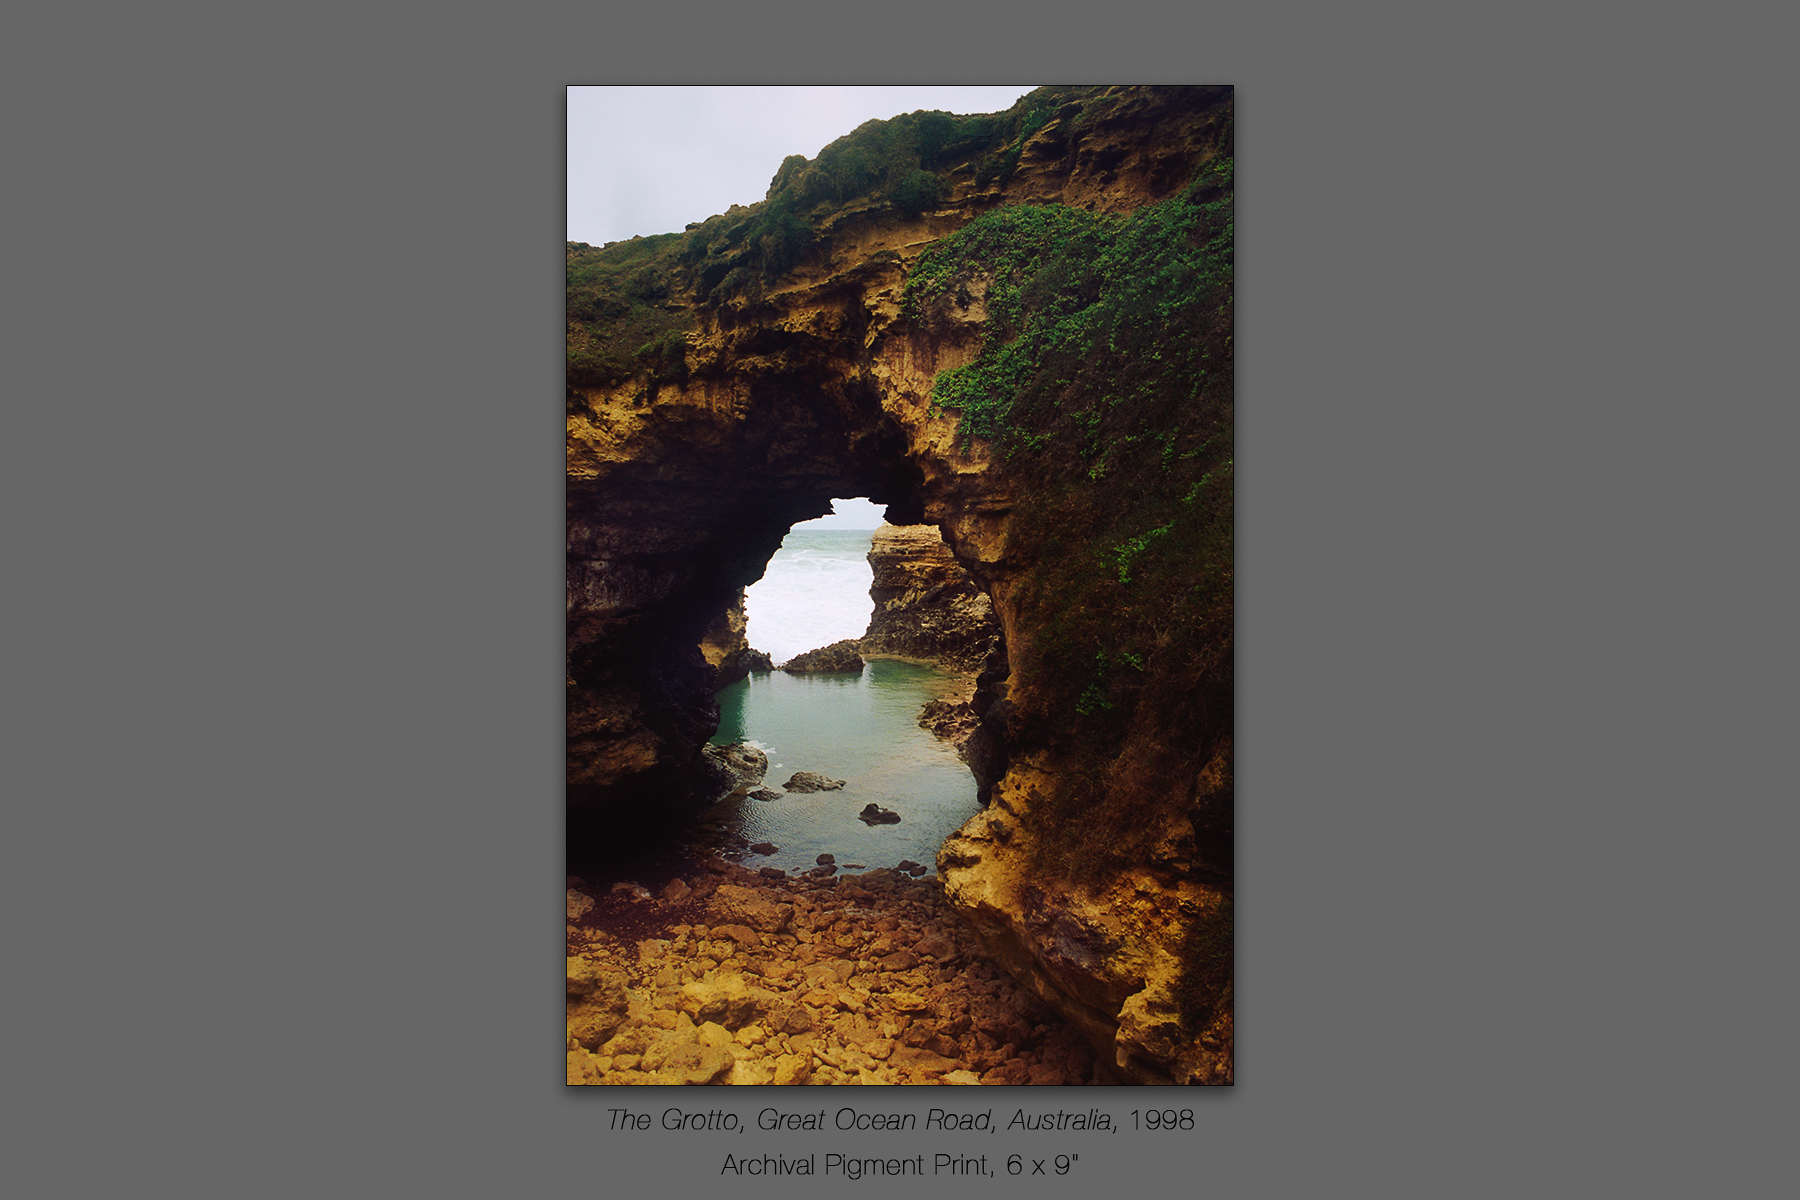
[(814, 591), (661, 551), (835, 755)]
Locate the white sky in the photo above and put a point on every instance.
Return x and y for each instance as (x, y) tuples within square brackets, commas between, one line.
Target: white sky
[(848, 514), (646, 160)]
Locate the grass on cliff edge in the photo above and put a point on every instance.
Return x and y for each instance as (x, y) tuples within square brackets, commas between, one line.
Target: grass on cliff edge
[(1104, 389), (620, 324)]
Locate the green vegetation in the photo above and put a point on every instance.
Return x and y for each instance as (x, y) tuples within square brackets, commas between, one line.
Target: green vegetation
[(905, 161), (918, 191), (1086, 312), (1000, 166), (1104, 388), (619, 322), (880, 158)]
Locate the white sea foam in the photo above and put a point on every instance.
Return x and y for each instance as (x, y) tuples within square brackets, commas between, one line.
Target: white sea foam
[(815, 592)]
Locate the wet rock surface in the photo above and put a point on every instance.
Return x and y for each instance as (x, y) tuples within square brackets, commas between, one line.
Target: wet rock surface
[(733, 977), (843, 657), (741, 766), (812, 781), (952, 718)]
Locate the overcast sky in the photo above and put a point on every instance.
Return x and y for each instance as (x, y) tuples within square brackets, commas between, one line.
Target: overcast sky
[(847, 514), (646, 160)]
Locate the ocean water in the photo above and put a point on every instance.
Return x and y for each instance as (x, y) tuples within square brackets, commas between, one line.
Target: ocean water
[(815, 592), (861, 729)]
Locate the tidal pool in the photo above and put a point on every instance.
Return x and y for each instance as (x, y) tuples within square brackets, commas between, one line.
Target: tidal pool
[(861, 729)]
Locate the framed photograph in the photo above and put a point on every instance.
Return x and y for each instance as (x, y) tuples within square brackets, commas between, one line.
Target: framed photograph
[(900, 589)]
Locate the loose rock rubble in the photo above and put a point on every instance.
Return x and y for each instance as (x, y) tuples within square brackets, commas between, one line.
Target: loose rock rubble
[(732, 977)]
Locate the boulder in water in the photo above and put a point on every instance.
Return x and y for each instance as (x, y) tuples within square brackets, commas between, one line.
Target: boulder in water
[(874, 814), (843, 657), (741, 767), (812, 781)]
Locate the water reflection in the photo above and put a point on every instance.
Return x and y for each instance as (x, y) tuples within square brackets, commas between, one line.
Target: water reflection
[(863, 730)]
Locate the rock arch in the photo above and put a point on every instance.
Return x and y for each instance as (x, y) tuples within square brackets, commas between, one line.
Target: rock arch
[(660, 542), (810, 383)]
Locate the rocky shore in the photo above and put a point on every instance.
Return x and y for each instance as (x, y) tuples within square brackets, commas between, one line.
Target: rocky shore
[(731, 976)]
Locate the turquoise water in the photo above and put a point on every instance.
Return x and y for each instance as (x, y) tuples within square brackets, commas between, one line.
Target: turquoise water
[(861, 729)]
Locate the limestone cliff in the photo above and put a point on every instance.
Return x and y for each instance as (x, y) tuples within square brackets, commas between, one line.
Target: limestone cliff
[(926, 606), (1014, 328)]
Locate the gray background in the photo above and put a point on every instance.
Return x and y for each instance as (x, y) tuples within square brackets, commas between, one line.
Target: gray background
[(282, 470)]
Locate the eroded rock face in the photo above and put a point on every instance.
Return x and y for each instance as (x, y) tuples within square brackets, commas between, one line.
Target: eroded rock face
[(1113, 958), (681, 488), (927, 606), (727, 650)]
